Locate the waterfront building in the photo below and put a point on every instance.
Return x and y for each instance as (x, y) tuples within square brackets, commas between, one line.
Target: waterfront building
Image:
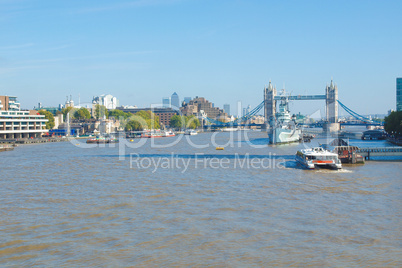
[(9, 103), (399, 94), (226, 108), (164, 114), (257, 119), (166, 102), (21, 124), (198, 104), (16, 124), (53, 110), (175, 101), (108, 101), (58, 120), (107, 126)]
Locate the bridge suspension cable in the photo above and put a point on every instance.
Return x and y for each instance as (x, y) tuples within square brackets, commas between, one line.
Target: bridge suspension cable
[(238, 120), (354, 114)]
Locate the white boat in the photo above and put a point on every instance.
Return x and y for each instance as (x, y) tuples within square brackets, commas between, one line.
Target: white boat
[(283, 129), (318, 157), (230, 129), (190, 132), (168, 134)]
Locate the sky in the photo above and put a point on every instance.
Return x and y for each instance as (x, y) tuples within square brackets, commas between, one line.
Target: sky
[(223, 50)]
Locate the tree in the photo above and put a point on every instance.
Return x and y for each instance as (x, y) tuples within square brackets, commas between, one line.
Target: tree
[(65, 111), (177, 122), (133, 125), (49, 116), (82, 113), (101, 111), (393, 123), (118, 114), (192, 122), (152, 121), (142, 120)]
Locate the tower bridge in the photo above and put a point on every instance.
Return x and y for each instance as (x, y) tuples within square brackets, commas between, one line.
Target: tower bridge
[(269, 104), (330, 97)]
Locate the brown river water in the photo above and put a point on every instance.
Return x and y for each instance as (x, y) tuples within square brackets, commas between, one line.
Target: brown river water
[(249, 205)]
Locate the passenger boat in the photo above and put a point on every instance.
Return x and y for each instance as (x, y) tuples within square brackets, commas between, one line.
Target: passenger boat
[(318, 157)]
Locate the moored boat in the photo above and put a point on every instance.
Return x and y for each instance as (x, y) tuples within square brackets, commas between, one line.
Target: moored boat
[(282, 127), (102, 140), (318, 157), (190, 132), (168, 134), (230, 129), (151, 135)]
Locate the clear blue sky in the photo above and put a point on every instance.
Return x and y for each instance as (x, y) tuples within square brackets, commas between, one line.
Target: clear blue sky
[(226, 51)]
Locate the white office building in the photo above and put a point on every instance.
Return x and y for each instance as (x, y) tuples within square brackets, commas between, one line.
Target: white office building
[(21, 124), (108, 101)]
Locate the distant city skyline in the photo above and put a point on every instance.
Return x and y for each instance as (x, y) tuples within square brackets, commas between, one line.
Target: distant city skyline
[(139, 51)]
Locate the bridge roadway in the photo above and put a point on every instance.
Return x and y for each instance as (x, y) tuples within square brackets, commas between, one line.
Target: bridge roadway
[(380, 151), (303, 97)]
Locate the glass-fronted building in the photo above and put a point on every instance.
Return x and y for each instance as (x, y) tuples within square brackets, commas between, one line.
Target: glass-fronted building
[(175, 101)]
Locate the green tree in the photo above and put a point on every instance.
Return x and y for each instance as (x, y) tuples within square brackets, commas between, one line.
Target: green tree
[(393, 123), (133, 125), (101, 111), (192, 122), (82, 113), (151, 119), (65, 111), (118, 114), (49, 116), (142, 120), (177, 121)]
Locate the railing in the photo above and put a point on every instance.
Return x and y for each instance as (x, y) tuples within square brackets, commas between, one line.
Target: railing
[(380, 150)]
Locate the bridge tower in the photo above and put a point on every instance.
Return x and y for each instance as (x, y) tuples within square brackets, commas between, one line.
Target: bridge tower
[(270, 104), (331, 93)]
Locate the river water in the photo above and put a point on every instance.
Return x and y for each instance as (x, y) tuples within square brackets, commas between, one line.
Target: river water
[(249, 205)]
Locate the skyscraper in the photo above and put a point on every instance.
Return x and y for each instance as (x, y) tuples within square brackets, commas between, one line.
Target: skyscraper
[(226, 108), (399, 94), (166, 102), (187, 99), (175, 101)]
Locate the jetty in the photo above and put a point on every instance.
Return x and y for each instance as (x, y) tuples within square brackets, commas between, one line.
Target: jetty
[(379, 151)]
